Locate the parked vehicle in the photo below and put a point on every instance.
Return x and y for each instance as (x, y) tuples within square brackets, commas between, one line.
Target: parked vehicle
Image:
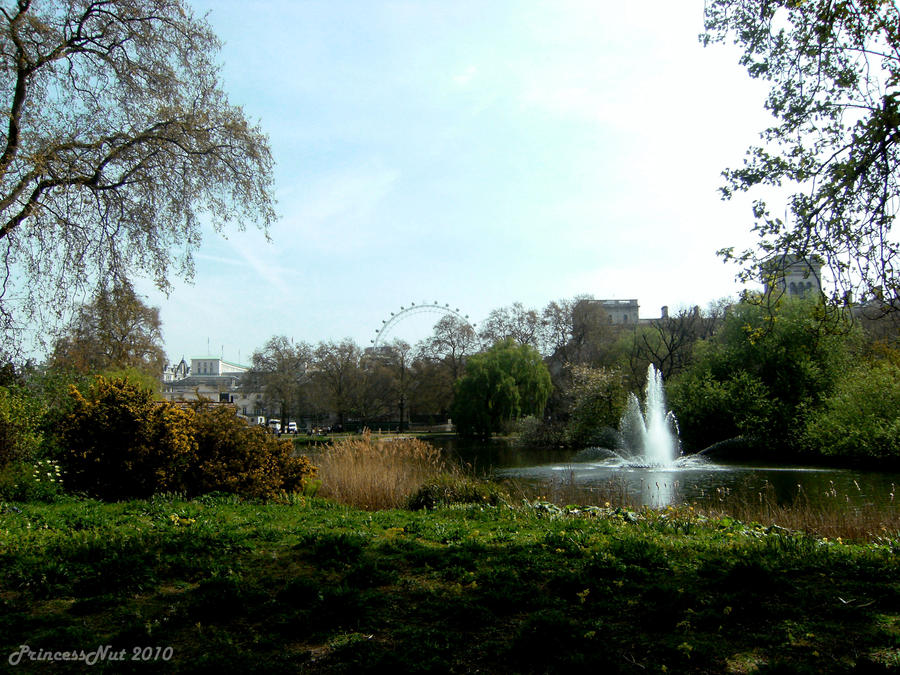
[(275, 425), (292, 427)]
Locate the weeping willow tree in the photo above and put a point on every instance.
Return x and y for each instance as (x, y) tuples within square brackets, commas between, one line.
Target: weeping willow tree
[(834, 70), (116, 142)]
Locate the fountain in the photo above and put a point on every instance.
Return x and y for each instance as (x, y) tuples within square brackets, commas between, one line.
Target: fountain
[(649, 437), (642, 458)]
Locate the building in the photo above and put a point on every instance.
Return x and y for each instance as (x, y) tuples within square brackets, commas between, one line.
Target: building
[(793, 275), (214, 379), (621, 311), (617, 312), (176, 372)]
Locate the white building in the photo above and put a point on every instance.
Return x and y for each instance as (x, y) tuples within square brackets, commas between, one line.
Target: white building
[(214, 379)]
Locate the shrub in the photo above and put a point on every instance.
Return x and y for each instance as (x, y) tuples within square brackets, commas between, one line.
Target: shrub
[(233, 456), (540, 433), (447, 489), (36, 481), (119, 442), (20, 418), (862, 416)]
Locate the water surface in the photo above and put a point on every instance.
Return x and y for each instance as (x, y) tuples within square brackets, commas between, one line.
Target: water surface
[(691, 479)]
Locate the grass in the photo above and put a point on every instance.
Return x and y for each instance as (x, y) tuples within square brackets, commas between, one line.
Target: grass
[(352, 583), (313, 586)]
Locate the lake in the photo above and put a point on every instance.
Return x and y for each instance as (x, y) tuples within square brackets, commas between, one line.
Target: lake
[(539, 471)]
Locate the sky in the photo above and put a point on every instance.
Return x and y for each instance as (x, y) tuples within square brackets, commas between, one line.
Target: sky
[(469, 153)]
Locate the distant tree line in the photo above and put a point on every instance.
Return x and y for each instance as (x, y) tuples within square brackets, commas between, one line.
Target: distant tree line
[(774, 376)]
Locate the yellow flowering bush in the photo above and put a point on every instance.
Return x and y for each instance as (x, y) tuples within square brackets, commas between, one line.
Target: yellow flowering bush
[(119, 442), (247, 460)]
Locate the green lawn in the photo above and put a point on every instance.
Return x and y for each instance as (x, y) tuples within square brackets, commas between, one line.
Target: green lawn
[(315, 587)]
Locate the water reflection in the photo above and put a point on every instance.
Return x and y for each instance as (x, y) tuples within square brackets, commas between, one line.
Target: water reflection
[(691, 479), (704, 481)]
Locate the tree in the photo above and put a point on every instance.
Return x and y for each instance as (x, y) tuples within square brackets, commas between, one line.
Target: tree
[(374, 396), (861, 418), (591, 335), (668, 342), (280, 371), (560, 330), (440, 363), (502, 384), (760, 375), (452, 340), (395, 360), (516, 322), (337, 375), (431, 391), (597, 401), (834, 69), (115, 330), (118, 142)]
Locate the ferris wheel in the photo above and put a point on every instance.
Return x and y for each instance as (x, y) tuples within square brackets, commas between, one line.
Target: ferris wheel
[(387, 325)]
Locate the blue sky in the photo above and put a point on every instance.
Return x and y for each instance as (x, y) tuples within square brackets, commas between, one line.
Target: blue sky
[(470, 153)]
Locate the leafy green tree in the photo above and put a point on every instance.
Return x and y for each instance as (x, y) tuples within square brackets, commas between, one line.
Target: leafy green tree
[(504, 383), (114, 331), (20, 425), (861, 417), (598, 398), (834, 69), (117, 142), (760, 375)]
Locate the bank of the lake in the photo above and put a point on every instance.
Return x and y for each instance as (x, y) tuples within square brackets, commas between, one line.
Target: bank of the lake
[(315, 587)]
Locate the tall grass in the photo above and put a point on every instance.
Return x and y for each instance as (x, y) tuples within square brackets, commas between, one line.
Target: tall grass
[(834, 514), (381, 473)]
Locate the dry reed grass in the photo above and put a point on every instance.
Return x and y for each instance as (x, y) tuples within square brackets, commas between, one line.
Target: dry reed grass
[(381, 473)]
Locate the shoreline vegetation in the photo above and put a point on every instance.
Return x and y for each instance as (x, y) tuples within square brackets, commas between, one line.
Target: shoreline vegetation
[(456, 574)]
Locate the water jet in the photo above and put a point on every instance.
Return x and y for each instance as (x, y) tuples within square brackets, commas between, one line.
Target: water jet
[(649, 434)]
